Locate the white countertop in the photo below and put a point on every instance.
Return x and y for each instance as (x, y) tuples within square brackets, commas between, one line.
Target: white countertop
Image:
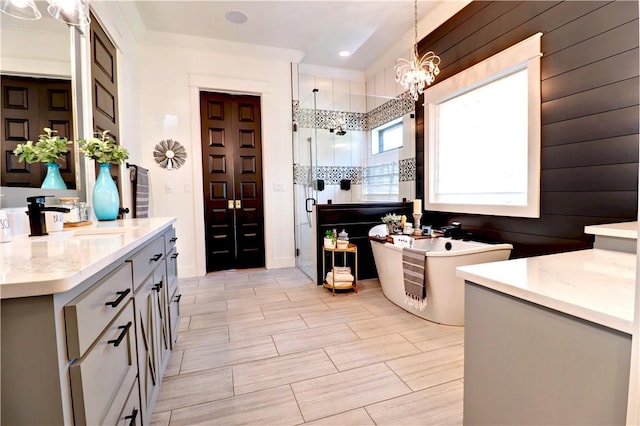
[(620, 230), (34, 266), (595, 285)]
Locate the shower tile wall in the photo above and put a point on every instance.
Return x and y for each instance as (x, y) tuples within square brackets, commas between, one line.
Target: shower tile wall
[(344, 102), (338, 102)]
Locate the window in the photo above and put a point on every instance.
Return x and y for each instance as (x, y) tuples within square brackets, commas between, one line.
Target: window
[(387, 170), (387, 137), (483, 135)]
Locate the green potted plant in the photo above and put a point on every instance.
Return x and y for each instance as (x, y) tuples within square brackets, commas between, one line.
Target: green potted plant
[(330, 239), (105, 151), (49, 148)]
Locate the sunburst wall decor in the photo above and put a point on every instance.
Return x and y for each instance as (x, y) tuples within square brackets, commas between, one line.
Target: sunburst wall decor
[(170, 154)]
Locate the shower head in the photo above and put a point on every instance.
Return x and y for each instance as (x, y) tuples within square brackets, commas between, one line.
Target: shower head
[(340, 131)]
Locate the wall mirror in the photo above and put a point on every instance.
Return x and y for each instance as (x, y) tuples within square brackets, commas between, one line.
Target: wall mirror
[(41, 52)]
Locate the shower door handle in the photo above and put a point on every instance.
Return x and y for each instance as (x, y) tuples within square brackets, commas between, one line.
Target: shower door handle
[(308, 207)]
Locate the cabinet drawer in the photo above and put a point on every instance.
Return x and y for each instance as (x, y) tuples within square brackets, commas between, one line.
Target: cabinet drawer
[(125, 409), (146, 260), (131, 413), (174, 315), (106, 371), (87, 315), (170, 240), (172, 270)]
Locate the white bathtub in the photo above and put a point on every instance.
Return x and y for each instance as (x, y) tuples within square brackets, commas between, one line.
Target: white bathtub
[(445, 292)]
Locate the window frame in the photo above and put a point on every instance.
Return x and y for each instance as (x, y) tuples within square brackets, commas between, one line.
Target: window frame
[(525, 54), (379, 135)]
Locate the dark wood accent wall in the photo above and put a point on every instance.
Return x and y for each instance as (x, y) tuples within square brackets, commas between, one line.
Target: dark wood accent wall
[(589, 89), (357, 220)]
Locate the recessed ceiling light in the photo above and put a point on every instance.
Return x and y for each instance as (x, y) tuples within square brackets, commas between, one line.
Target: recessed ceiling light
[(344, 53), (236, 16)]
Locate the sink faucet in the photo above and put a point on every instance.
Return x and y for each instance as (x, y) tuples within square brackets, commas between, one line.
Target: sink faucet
[(36, 209)]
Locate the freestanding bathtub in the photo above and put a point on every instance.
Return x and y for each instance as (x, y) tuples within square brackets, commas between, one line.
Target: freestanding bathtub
[(445, 291)]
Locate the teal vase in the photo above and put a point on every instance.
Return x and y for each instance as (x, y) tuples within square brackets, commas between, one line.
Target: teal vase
[(53, 180), (106, 201)]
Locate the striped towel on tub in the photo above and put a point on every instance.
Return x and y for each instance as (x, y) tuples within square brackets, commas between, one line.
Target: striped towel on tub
[(414, 264)]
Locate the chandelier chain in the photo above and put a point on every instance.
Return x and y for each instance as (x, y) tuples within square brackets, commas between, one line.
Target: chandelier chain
[(415, 25), (418, 72)]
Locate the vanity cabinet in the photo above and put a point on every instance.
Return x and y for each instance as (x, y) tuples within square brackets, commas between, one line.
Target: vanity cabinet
[(173, 303), (95, 351), (157, 309), (151, 326), (101, 343), (130, 414)]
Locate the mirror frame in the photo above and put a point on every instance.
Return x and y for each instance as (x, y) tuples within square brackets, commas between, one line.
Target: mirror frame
[(81, 104)]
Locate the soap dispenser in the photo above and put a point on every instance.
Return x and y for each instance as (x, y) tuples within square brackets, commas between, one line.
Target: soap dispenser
[(35, 210)]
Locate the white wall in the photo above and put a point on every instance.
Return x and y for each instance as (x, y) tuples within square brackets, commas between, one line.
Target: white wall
[(160, 77), (170, 81)]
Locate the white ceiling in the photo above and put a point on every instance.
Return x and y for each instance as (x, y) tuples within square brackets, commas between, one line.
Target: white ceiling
[(318, 29)]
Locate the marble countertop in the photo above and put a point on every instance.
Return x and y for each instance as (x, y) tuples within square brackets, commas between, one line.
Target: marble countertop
[(595, 285), (34, 266), (620, 230)]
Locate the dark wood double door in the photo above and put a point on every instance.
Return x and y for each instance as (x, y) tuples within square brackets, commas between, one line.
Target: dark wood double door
[(28, 106), (232, 180)]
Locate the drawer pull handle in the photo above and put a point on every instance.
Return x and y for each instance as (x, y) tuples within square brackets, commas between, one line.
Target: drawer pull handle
[(157, 287), (174, 239), (132, 416), (156, 257), (125, 330), (178, 297), (175, 255), (121, 296)]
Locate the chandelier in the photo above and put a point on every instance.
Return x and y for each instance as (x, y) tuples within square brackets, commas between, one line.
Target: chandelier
[(419, 72)]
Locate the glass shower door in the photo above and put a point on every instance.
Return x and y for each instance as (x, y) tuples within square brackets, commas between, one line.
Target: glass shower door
[(305, 195)]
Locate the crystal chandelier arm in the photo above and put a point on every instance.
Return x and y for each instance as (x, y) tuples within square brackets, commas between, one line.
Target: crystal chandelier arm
[(418, 72)]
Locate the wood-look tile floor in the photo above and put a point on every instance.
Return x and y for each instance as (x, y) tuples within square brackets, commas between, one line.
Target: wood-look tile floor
[(271, 348)]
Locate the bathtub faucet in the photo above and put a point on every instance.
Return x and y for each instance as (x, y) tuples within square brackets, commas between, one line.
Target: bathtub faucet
[(454, 230)]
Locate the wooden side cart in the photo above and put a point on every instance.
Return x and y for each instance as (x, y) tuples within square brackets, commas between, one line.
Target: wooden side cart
[(350, 249)]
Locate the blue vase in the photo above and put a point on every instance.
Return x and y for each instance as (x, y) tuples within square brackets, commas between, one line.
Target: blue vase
[(53, 180), (106, 201)]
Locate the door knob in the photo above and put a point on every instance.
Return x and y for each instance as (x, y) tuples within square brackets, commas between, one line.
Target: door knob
[(238, 204), (230, 204)]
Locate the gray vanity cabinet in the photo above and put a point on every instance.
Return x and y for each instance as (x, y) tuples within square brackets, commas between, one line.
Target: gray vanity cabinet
[(101, 343), (94, 353), (152, 333), (130, 414), (173, 302)]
